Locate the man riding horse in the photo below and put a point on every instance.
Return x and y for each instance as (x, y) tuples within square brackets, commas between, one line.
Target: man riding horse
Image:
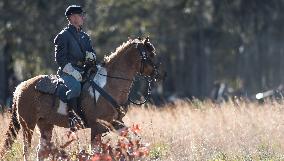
[(72, 49), (104, 97)]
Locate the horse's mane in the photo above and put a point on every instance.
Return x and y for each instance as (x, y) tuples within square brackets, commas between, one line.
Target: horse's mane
[(121, 49)]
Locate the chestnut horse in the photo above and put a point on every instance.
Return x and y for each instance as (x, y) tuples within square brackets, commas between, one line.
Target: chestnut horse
[(31, 107)]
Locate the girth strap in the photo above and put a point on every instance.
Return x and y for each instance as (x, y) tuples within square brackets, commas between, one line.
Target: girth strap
[(105, 94)]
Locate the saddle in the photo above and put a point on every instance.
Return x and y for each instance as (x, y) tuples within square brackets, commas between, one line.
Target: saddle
[(51, 84), (48, 84)]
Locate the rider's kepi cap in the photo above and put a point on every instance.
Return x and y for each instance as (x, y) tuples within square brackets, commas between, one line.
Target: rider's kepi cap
[(73, 9)]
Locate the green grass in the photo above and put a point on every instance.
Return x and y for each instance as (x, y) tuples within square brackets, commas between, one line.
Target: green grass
[(158, 151)]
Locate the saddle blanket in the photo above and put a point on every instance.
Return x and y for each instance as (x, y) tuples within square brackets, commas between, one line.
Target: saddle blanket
[(48, 84)]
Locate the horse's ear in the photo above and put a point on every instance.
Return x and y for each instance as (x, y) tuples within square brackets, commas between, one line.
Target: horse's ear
[(146, 40), (149, 44)]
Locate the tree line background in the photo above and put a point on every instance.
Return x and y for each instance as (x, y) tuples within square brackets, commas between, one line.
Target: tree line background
[(201, 42)]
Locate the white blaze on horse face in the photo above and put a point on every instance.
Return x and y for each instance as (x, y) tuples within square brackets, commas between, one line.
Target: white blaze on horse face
[(100, 79), (62, 109)]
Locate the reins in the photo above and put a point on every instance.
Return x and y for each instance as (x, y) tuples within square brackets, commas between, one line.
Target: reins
[(115, 77), (147, 96)]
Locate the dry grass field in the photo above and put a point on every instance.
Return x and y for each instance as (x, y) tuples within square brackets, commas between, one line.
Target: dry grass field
[(192, 130)]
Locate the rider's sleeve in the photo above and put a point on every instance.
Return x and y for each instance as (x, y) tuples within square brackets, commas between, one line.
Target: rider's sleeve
[(60, 43)]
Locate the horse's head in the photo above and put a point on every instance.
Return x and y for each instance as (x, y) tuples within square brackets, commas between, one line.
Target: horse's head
[(138, 55), (149, 64)]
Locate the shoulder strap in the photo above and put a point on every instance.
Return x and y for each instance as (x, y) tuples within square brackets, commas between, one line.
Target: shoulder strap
[(74, 36)]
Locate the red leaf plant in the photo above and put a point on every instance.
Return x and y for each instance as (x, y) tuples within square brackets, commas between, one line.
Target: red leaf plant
[(128, 147)]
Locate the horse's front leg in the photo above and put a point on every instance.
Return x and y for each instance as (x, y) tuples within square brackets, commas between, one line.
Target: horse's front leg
[(96, 141), (96, 138), (96, 135)]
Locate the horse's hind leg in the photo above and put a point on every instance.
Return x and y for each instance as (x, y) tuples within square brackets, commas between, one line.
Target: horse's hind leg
[(45, 146), (28, 128)]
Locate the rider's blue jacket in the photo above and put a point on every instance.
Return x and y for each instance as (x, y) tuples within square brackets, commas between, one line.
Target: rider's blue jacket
[(68, 50)]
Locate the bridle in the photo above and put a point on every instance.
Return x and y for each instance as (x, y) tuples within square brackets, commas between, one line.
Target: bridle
[(144, 60)]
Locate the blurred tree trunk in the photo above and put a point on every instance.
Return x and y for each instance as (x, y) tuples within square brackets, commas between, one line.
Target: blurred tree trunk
[(182, 65), (3, 78), (202, 55), (6, 71)]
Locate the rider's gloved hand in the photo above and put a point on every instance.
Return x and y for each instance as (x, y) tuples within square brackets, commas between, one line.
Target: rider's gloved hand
[(90, 56), (68, 68)]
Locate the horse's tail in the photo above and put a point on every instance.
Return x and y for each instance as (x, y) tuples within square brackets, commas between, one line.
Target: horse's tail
[(11, 134)]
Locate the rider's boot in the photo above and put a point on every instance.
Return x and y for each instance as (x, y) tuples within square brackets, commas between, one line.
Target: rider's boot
[(74, 120), (73, 108)]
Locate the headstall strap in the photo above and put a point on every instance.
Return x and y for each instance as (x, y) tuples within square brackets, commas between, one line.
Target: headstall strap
[(143, 56)]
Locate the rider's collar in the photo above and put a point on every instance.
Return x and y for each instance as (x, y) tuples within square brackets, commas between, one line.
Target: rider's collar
[(73, 28)]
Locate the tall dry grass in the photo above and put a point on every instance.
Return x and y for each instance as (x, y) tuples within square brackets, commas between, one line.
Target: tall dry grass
[(195, 130)]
